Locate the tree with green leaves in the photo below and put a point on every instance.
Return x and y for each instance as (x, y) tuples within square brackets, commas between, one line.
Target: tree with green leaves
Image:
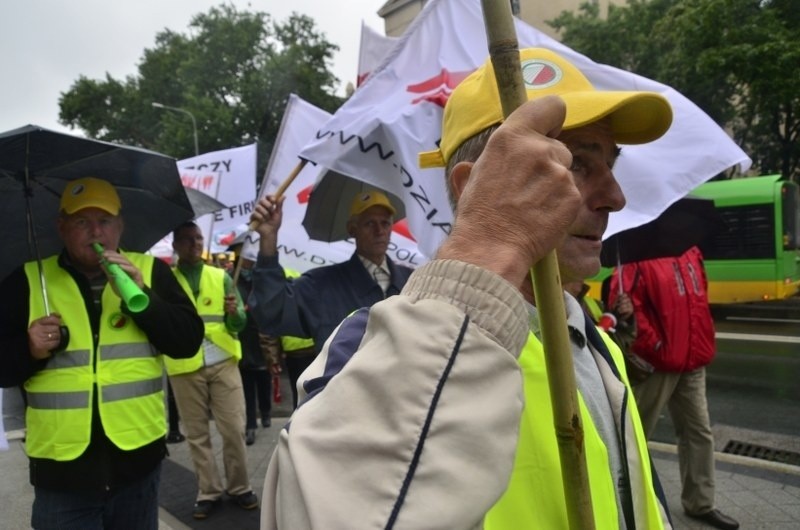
[(233, 72), (735, 59)]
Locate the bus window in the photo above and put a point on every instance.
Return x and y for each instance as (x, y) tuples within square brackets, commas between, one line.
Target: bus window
[(750, 234)]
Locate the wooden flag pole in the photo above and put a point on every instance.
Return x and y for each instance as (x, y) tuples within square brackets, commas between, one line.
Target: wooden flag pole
[(282, 188), (504, 53), (252, 225)]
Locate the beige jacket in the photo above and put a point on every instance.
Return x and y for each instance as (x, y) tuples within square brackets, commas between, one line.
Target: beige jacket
[(419, 429)]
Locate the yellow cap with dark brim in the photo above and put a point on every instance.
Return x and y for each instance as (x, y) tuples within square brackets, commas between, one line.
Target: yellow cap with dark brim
[(636, 117)]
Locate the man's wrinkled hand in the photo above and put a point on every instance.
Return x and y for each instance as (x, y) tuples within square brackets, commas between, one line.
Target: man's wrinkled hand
[(519, 198)]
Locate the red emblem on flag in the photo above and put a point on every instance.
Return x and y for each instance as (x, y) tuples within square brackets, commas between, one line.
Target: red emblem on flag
[(438, 88)]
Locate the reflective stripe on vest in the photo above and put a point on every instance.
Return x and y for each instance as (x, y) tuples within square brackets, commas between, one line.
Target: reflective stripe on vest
[(289, 343), (126, 370), (58, 400), (534, 498), (130, 390), (210, 304), (69, 359)]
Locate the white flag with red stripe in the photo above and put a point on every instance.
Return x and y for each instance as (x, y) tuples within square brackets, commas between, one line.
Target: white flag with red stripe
[(377, 134)]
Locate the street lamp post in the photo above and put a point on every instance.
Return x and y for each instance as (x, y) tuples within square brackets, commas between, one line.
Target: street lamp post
[(184, 111)]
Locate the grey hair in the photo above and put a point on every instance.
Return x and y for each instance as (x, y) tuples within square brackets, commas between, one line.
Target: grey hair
[(469, 151)]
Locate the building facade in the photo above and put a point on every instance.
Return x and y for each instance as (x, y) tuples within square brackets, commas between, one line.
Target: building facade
[(398, 14)]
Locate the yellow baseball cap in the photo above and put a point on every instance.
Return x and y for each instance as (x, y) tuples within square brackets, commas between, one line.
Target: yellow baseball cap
[(90, 192), (636, 117), (367, 199)]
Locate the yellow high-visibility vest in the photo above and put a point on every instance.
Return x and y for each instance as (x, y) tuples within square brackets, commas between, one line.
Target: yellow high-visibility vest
[(210, 304), (124, 370), (534, 498)]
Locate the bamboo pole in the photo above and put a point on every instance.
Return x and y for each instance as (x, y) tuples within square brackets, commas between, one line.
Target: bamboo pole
[(504, 53), (252, 225)]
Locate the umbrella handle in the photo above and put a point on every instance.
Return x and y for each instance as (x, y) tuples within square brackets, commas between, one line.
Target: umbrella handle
[(43, 284), (63, 339), (33, 241), (63, 331)]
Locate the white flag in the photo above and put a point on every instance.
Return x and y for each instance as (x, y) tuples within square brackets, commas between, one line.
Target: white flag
[(295, 249), (207, 182), (372, 49), (397, 113), (229, 176)]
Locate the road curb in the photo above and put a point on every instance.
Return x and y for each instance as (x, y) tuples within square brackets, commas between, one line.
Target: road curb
[(738, 460)]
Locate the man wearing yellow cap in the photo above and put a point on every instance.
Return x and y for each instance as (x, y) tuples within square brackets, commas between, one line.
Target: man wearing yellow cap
[(312, 305), (440, 395), (95, 410)]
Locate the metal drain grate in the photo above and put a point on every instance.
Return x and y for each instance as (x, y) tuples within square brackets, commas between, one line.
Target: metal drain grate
[(735, 447)]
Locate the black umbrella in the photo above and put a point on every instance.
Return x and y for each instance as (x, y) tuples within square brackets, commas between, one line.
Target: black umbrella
[(329, 206), (686, 223), (35, 166), (202, 203)]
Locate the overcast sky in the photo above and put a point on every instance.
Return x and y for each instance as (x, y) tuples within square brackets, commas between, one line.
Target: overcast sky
[(47, 44)]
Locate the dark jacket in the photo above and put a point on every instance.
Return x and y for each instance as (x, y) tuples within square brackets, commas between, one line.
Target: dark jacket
[(252, 356), (171, 324), (312, 305)]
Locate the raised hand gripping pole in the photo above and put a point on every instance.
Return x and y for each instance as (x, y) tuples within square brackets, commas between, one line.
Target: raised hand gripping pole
[(504, 53), (131, 294), (278, 194)]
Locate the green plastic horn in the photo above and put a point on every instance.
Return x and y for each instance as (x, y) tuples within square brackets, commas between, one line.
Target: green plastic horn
[(131, 294)]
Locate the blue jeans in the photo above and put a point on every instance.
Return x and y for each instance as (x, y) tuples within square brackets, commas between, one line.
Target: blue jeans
[(133, 506)]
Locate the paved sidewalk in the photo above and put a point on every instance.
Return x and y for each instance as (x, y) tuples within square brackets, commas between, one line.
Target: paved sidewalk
[(759, 494)]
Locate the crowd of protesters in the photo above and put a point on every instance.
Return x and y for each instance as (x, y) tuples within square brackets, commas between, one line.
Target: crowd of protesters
[(423, 378)]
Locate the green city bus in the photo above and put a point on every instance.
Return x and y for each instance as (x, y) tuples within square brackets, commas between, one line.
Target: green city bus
[(758, 257)]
